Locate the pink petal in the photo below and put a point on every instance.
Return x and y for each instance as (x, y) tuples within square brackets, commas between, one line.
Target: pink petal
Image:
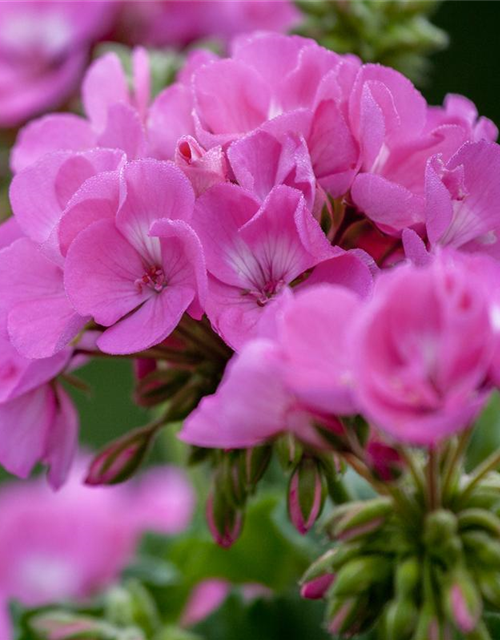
[(182, 256), (151, 190), (58, 132), (24, 426), (96, 199), (315, 333), (250, 404), (391, 206), (124, 131), (231, 97), (101, 272), (62, 440), (150, 324), (219, 214), (169, 119), (105, 84)]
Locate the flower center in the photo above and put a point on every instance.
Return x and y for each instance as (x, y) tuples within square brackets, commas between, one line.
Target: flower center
[(153, 278), (265, 293)]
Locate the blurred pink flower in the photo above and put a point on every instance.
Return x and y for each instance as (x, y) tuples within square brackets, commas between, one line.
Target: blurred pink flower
[(44, 47), (73, 543)]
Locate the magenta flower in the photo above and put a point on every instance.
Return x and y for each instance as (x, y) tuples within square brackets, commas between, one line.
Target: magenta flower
[(423, 350), (462, 199), (254, 251), (138, 272)]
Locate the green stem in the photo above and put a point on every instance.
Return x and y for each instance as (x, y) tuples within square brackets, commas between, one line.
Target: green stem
[(433, 495), (454, 462), (490, 464)]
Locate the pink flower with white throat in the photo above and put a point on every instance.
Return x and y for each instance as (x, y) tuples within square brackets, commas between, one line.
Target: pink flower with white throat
[(139, 271)]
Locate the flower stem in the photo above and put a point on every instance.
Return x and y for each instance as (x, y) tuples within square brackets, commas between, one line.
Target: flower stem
[(488, 465), (433, 488)]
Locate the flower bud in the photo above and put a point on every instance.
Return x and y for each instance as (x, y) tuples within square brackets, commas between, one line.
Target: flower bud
[(463, 602), (224, 521), (231, 479), (407, 578), (289, 451), (316, 588), (255, 462), (489, 583), (360, 574), (342, 614), (362, 518), (305, 494), (439, 526), (479, 519), (400, 618), (121, 459), (384, 460), (482, 548), (63, 625)]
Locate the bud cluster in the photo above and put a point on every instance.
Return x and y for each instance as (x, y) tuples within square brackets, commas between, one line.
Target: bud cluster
[(410, 572)]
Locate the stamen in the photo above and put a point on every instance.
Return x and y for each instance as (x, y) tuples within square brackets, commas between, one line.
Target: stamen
[(154, 279)]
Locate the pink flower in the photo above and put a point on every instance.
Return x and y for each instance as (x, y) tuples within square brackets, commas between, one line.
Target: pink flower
[(38, 422), (177, 23), (138, 272), (73, 543), (462, 199), (116, 117), (43, 53), (298, 373), (254, 251), (423, 349), (390, 190)]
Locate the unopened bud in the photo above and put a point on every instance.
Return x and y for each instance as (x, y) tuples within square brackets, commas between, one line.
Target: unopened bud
[(479, 519), (362, 518), (482, 548), (224, 521), (121, 459), (360, 574), (384, 460), (305, 494), (400, 619), (408, 574), (255, 462), (316, 588), (231, 479), (342, 614), (289, 451), (439, 526), (489, 583), (463, 602)]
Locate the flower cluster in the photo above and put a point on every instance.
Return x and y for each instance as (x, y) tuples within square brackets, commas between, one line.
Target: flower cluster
[(303, 216), (45, 46)]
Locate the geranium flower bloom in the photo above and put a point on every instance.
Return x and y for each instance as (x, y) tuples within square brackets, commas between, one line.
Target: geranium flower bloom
[(132, 275), (254, 251), (424, 346)]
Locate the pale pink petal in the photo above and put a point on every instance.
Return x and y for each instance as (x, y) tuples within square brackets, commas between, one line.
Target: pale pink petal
[(124, 131), (151, 190), (250, 404), (57, 132), (391, 206), (24, 425), (231, 97), (100, 274), (169, 119), (62, 440), (105, 84), (150, 324), (142, 80)]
